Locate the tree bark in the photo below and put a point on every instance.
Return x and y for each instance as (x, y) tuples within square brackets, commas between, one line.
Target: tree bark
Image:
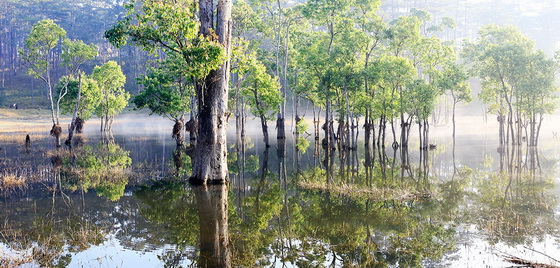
[(210, 161), (264, 127), (72, 127)]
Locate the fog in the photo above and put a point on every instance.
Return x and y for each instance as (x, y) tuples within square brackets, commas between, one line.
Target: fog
[(538, 19)]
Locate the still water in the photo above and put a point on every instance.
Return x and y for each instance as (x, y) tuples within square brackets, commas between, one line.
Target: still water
[(120, 202)]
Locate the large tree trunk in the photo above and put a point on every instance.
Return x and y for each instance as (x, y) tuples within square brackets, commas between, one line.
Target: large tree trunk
[(210, 161)]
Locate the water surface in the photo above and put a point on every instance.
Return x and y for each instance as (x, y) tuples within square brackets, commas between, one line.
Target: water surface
[(122, 202)]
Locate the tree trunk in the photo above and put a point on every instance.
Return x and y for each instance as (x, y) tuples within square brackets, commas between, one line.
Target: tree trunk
[(177, 129), (453, 120), (56, 131), (264, 126), (210, 161), (72, 127), (280, 127)]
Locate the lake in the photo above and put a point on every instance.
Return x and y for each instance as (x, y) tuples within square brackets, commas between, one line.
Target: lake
[(121, 201)]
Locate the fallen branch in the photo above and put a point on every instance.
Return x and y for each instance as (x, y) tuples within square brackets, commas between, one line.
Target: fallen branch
[(527, 263)]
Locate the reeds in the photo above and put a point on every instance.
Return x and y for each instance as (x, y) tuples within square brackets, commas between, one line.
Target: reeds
[(48, 241), (12, 182), (373, 193)]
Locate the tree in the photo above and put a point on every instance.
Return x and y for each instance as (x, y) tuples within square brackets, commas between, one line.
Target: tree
[(44, 37), (114, 98), (512, 72), (167, 92), (82, 98), (204, 45), (76, 52), (389, 75), (38, 53), (263, 95), (453, 79)]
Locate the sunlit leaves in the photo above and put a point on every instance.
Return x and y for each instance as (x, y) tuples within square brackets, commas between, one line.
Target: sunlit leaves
[(90, 96), (173, 27), (76, 52), (167, 89), (514, 78), (45, 35), (110, 80), (262, 91)]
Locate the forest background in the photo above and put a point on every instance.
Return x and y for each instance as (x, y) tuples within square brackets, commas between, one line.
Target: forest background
[(450, 21)]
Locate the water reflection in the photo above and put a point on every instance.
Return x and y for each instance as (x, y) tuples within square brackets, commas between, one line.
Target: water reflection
[(285, 206), (212, 204)]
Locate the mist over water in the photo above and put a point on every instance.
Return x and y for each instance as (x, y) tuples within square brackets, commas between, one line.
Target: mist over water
[(146, 210)]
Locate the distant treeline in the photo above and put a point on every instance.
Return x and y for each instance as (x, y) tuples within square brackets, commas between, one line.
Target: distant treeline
[(84, 20)]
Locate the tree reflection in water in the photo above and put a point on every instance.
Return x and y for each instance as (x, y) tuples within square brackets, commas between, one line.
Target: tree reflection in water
[(364, 208), (212, 203), (515, 205)]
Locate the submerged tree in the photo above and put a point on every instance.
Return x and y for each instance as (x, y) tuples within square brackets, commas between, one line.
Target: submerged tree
[(203, 42), (76, 53), (453, 79), (44, 37), (114, 98), (82, 98), (167, 92), (263, 95)]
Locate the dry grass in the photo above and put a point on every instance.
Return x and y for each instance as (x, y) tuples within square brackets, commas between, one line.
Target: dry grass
[(372, 193), (9, 260), (12, 182), (26, 121), (19, 137)]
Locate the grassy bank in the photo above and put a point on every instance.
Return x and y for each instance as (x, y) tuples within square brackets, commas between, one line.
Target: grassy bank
[(26, 121)]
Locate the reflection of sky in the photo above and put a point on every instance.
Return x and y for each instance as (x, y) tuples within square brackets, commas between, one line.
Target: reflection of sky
[(112, 254)]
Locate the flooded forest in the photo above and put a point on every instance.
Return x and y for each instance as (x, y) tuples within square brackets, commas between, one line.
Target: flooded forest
[(257, 133)]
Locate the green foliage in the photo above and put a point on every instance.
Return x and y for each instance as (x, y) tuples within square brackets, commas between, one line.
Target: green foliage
[(389, 74), (453, 79), (167, 89), (173, 27), (45, 35), (40, 44), (514, 78), (90, 96), (76, 52), (302, 144), (402, 33), (301, 127), (421, 99), (111, 80), (262, 92)]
